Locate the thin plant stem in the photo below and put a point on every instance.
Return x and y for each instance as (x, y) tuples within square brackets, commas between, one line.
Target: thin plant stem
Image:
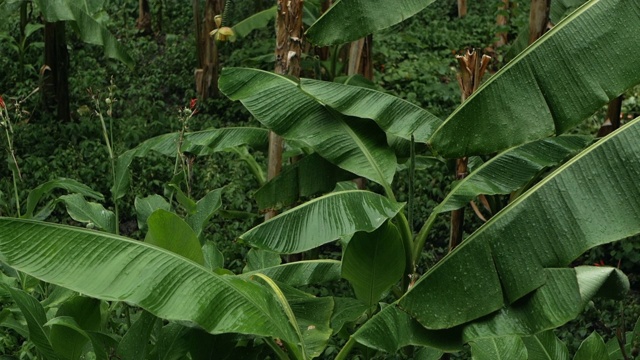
[(412, 173), (112, 161), (407, 242), (276, 349), (421, 238), (8, 130), (342, 355)]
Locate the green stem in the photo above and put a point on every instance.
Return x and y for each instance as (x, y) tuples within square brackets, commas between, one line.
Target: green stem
[(407, 242), (346, 349), (15, 193), (112, 160), (421, 238), (412, 173), (276, 349)]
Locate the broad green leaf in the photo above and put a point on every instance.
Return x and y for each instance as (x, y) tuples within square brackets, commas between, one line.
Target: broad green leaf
[(213, 258), (197, 143), (373, 262), (310, 176), (428, 353), (146, 206), (205, 208), (258, 259), (545, 346), (115, 268), (499, 348), (301, 273), (256, 21), (277, 102), (512, 169), (349, 20), (394, 115), (322, 220), (36, 318), (70, 185), (346, 310), (89, 30), (510, 252), (173, 343), (135, 343), (545, 91), (168, 231), (68, 333), (592, 348), (89, 212)]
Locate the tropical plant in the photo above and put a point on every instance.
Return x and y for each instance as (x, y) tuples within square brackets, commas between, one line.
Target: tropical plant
[(506, 285)]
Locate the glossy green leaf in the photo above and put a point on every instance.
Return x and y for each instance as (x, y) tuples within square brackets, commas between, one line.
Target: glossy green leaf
[(115, 268), (592, 348), (349, 20), (394, 115), (310, 176), (545, 91), (71, 347), (301, 273), (545, 346), (213, 258), (256, 21), (89, 30), (135, 343), (345, 311), (205, 208), (199, 143), (373, 262), (277, 102), (322, 220), (512, 169), (499, 348), (36, 318), (89, 212), (146, 206), (168, 231), (509, 253), (68, 333), (258, 259), (173, 343), (69, 185)]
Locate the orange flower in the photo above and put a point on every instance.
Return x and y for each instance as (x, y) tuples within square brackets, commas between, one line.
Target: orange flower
[(193, 103)]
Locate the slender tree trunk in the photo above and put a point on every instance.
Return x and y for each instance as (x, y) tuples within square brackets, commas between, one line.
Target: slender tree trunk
[(206, 75), (143, 23), (462, 8), (538, 19), (612, 122), (55, 72), (472, 69), (501, 21), (288, 49)]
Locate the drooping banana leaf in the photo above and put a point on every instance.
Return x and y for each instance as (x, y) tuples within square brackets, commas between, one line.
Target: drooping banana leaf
[(512, 169), (115, 268), (301, 273), (89, 30), (394, 115), (553, 85), (309, 176), (256, 21), (322, 220), (277, 102), (198, 143), (349, 20), (70, 185), (547, 227), (499, 348)]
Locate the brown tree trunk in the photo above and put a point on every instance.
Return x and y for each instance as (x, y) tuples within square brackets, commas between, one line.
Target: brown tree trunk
[(462, 8), (55, 72), (288, 50), (206, 75), (472, 69), (143, 23), (501, 21), (538, 19), (612, 122)]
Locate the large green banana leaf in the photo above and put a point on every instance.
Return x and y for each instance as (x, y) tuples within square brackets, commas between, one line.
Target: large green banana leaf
[(256, 21), (198, 143), (277, 102), (546, 346), (499, 348), (89, 30), (115, 268), (395, 116), (556, 83), (547, 227), (512, 169), (350, 20), (322, 220), (301, 273)]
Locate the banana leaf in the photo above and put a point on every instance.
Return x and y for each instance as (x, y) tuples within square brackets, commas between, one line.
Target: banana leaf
[(349, 20), (278, 103), (499, 348), (302, 273), (553, 85), (115, 268), (546, 346), (256, 21), (322, 220)]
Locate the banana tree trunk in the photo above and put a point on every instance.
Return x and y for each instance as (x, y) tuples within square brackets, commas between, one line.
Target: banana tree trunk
[(462, 8), (501, 22), (55, 71), (612, 122), (206, 75), (538, 19), (288, 49), (143, 23)]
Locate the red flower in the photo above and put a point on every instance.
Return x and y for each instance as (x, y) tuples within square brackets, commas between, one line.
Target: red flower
[(193, 103), (601, 263), (2, 106)]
